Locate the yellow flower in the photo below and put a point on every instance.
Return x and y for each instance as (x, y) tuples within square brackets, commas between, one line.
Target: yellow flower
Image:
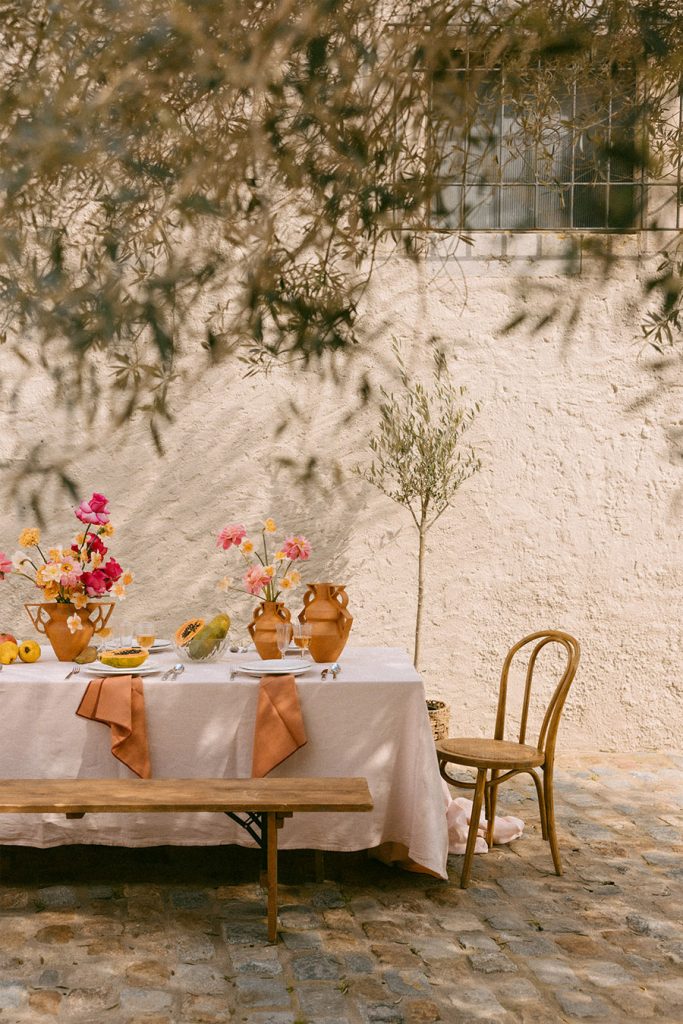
[(96, 559), (295, 576), (107, 530), (225, 583), (269, 570), (247, 547), (55, 554), (127, 578), (79, 538), (269, 526), (74, 623), (279, 556), (50, 590), (80, 600), (120, 591), (84, 557), (29, 537), (285, 583)]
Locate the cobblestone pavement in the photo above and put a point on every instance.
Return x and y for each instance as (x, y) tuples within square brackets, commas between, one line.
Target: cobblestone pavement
[(159, 936)]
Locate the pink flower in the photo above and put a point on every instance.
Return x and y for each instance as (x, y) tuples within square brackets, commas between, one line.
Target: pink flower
[(96, 583), (112, 569), (71, 577), (296, 548), (231, 535), (255, 579), (93, 511), (6, 565)]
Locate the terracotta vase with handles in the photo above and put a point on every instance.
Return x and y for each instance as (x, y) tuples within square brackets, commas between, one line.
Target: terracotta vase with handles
[(50, 618), (263, 627), (325, 609)]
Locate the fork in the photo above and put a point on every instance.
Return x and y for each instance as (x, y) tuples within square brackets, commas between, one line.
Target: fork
[(74, 672)]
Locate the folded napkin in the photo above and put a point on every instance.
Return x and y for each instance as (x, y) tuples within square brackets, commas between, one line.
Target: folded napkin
[(279, 729), (458, 816), (119, 702)]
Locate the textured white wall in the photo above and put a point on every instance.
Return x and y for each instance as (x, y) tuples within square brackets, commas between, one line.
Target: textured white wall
[(572, 522)]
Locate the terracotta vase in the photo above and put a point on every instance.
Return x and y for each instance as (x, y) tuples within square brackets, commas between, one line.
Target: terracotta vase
[(50, 618), (325, 610), (263, 626)]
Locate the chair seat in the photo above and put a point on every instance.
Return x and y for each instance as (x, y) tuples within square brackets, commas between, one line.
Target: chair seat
[(479, 753)]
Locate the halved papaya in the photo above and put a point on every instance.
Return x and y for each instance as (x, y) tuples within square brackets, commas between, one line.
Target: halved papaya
[(187, 631), (124, 657)]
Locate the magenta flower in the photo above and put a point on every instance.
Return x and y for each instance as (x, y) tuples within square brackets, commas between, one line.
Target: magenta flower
[(96, 583), (231, 535), (112, 569), (95, 545), (296, 548), (94, 511), (255, 579), (6, 565)]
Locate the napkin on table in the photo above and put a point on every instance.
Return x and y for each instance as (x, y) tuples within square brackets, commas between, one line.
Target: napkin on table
[(279, 729), (119, 702)]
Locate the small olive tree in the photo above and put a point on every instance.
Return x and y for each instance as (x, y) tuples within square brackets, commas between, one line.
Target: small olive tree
[(420, 461)]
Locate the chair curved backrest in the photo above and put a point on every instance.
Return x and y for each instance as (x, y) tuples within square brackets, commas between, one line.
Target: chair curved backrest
[(551, 719)]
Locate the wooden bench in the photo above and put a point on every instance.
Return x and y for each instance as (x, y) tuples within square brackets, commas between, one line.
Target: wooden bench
[(266, 803)]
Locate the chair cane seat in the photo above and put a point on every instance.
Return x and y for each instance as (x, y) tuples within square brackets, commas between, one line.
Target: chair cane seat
[(480, 753)]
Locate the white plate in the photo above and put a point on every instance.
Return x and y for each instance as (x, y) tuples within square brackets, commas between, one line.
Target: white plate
[(276, 667), (160, 645), (108, 670)]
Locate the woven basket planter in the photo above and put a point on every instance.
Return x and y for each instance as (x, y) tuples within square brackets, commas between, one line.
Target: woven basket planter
[(439, 717)]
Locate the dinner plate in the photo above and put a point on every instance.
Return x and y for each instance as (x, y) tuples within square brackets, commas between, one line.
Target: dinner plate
[(276, 667), (108, 670), (160, 645)]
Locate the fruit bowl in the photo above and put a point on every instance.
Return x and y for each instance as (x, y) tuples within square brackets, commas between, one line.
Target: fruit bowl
[(214, 655)]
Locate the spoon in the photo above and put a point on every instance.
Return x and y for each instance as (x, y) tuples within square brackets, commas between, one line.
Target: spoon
[(333, 669), (173, 671)]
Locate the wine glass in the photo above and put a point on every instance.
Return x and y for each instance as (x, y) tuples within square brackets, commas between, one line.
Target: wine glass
[(303, 631), (283, 632), (145, 634)]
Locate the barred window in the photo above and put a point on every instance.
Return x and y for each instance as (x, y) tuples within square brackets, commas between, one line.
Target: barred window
[(561, 160)]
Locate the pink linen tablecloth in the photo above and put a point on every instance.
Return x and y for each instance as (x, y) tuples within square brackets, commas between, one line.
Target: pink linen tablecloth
[(371, 721)]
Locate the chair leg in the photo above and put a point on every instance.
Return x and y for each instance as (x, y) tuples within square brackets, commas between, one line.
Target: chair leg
[(491, 815), (541, 804), (550, 815), (474, 825)]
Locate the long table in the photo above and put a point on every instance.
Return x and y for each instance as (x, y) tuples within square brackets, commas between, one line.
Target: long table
[(371, 721)]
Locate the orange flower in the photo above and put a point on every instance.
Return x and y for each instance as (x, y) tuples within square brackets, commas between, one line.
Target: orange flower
[(29, 537)]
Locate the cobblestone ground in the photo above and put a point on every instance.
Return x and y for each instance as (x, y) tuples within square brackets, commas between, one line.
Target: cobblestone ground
[(174, 935)]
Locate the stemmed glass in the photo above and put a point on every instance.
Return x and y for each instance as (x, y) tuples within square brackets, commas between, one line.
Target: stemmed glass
[(283, 632), (303, 631)]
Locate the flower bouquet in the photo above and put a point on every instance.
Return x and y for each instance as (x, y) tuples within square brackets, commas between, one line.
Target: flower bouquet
[(267, 577), (70, 579)]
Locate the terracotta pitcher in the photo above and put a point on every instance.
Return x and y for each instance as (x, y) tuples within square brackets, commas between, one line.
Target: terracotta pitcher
[(325, 610), (262, 628), (50, 618)]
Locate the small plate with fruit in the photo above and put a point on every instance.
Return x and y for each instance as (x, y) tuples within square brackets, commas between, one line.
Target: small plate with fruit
[(121, 661)]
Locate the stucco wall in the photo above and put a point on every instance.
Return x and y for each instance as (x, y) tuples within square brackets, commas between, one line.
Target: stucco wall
[(571, 523)]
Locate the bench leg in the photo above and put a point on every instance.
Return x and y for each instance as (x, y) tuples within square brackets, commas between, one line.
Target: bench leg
[(271, 838)]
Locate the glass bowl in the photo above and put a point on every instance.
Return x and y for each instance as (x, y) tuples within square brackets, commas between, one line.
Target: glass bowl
[(215, 655)]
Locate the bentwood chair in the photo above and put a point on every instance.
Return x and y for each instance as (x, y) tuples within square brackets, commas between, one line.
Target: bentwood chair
[(503, 756)]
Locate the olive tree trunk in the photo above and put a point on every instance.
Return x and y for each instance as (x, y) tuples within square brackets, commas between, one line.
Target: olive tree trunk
[(422, 533)]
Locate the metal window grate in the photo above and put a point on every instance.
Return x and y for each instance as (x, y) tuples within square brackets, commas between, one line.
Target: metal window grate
[(509, 166)]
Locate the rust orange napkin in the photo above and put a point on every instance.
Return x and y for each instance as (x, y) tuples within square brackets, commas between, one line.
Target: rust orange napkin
[(119, 702), (279, 729)]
